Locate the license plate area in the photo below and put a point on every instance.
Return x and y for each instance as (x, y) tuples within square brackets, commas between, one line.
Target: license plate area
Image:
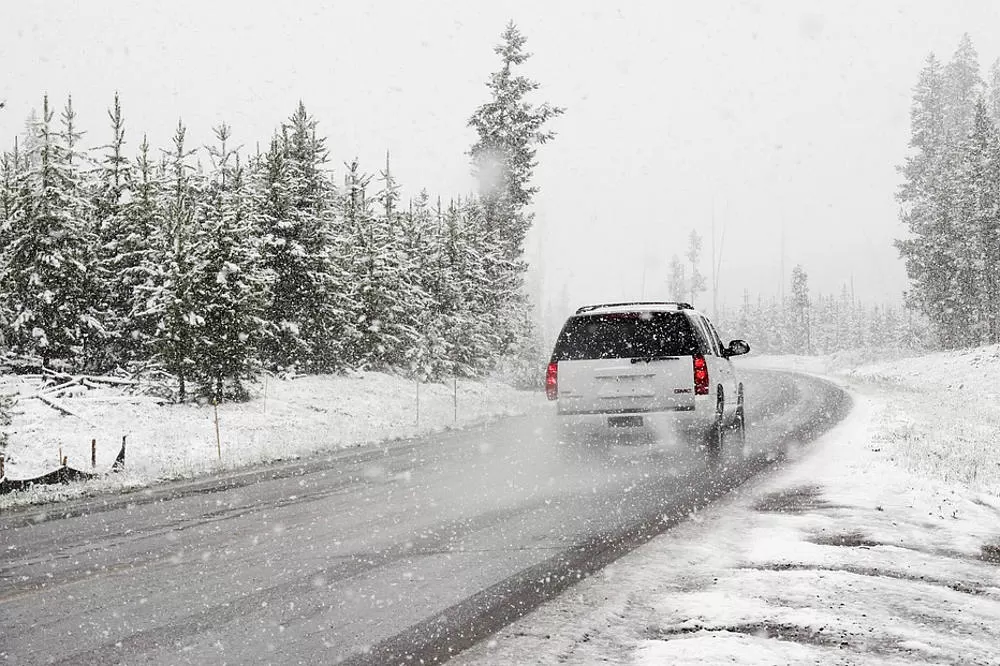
[(625, 421)]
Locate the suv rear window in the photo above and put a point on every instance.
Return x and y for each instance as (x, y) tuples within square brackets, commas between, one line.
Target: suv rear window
[(626, 335)]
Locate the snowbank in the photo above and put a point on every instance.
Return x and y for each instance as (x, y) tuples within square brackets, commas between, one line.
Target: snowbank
[(285, 419)]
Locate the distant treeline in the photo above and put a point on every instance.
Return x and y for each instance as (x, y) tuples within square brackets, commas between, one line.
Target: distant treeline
[(212, 264), (951, 199), (825, 324)]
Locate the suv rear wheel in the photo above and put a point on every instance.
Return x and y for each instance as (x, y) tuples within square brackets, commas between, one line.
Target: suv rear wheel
[(716, 433), (740, 421)]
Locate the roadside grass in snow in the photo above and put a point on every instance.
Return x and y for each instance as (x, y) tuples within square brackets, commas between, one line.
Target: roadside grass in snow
[(941, 414), (295, 418)]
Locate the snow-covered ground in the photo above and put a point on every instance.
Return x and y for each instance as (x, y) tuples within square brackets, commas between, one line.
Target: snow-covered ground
[(879, 544), (285, 419)]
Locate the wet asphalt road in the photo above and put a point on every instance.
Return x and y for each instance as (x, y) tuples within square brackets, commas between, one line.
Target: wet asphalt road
[(378, 555)]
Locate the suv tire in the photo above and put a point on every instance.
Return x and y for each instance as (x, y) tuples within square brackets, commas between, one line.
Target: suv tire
[(716, 433), (740, 421)]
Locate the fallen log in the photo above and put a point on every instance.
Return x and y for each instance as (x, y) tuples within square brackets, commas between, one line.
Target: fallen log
[(59, 407)]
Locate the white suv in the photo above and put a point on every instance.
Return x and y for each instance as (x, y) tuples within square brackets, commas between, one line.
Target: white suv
[(623, 360)]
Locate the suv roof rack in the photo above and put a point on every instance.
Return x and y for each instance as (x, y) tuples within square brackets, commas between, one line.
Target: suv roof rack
[(679, 305)]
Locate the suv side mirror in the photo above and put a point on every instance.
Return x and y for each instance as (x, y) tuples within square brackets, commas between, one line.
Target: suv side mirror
[(737, 348)]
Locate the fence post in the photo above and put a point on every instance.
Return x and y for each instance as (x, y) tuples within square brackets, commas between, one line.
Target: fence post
[(1, 467), (93, 453), (218, 440)]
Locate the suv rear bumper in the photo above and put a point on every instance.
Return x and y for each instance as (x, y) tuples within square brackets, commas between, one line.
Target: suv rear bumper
[(625, 410)]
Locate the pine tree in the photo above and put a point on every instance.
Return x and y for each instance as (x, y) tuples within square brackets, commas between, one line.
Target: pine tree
[(172, 267), (696, 282), (994, 92), (382, 332), (122, 244), (45, 281), (425, 352), (144, 245), (963, 86), (231, 285), (472, 332), (927, 204), (11, 213), (677, 281), (976, 249), (800, 310), (308, 315), (509, 129)]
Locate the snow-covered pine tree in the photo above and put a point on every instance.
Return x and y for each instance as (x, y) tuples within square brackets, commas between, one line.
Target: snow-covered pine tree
[(800, 306), (374, 272), (9, 194), (145, 225), (11, 210), (976, 251), (509, 129), (420, 263), (172, 266), (470, 332), (122, 244), (696, 282), (677, 281), (993, 92), (231, 285), (45, 281), (308, 314), (926, 198), (963, 86)]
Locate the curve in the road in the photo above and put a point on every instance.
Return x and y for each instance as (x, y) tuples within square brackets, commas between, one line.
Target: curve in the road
[(409, 551)]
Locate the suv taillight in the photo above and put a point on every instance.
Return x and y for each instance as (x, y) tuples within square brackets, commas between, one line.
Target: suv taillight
[(700, 375), (552, 381)]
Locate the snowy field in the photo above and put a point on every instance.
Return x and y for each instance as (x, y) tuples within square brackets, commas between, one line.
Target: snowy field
[(879, 544), (285, 419)]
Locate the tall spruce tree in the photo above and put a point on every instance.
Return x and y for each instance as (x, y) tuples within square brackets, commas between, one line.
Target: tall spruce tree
[(800, 306), (927, 205), (173, 266), (307, 313), (45, 281), (696, 282), (143, 247), (677, 281), (509, 129), (963, 86), (951, 203), (231, 286), (122, 244)]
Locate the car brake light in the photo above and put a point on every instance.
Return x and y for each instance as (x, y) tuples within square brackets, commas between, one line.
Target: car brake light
[(552, 381), (700, 375)]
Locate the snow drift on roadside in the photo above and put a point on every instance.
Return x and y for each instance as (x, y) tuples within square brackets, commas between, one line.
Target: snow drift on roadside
[(285, 419)]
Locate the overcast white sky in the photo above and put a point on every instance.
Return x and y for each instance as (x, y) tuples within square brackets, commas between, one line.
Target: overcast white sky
[(775, 115)]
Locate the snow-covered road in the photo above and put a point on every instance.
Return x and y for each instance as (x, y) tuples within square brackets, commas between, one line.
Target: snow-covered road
[(877, 544), (414, 548)]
